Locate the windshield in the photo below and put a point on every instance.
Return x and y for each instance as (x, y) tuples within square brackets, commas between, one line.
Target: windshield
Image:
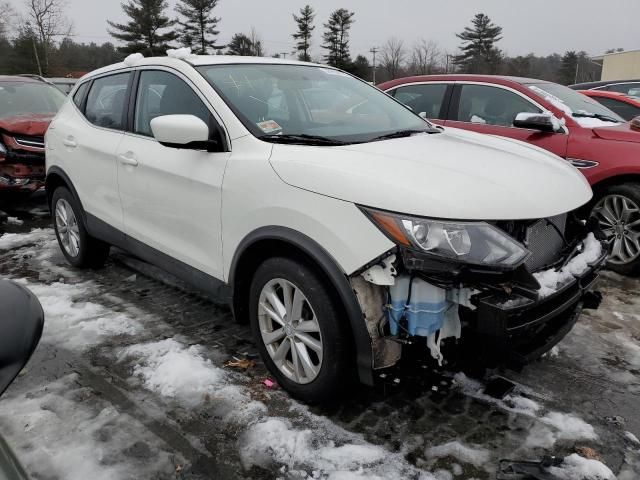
[(309, 102), (22, 98), (574, 103)]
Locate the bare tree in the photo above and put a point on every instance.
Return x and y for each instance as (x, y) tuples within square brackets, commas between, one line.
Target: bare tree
[(7, 19), (425, 57), (393, 55), (49, 20), (258, 50)]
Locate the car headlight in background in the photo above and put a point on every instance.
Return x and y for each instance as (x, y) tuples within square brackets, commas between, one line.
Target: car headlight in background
[(477, 243)]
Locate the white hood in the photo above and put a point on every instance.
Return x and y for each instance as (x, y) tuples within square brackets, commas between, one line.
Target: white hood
[(455, 174)]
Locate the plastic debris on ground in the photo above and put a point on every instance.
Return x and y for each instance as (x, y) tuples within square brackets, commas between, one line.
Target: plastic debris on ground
[(267, 382)]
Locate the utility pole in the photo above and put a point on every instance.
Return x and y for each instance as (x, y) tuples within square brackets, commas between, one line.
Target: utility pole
[(284, 56), (35, 47), (374, 50)]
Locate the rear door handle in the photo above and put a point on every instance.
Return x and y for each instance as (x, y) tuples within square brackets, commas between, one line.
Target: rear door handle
[(128, 159), (70, 142)]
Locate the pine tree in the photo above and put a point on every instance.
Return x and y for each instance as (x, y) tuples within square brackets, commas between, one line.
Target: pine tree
[(303, 35), (199, 25), (142, 33), (336, 38), (245, 45), (568, 68), (479, 53)]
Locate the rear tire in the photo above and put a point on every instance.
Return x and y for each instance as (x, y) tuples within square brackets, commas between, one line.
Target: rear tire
[(79, 248), (301, 336)]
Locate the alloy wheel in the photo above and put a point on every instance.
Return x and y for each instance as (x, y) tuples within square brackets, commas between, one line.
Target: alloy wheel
[(619, 219), (67, 227), (290, 330)]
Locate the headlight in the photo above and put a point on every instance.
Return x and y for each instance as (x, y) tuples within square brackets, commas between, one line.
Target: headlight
[(477, 243)]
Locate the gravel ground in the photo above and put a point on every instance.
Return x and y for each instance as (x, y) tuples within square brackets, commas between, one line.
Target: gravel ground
[(130, 381)]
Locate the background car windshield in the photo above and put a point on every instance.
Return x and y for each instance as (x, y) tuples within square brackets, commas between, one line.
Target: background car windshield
[(22, 98), (308, 100), (576, 101)]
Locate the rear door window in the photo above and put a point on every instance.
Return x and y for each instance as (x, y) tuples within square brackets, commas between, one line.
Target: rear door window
[(427, 98), (488, 105), (78, 97), (106, 101)]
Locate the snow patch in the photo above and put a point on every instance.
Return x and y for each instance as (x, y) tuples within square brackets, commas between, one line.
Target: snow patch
[(477, 119), (175, 371), (14, 221), (76, 324), (588, 122), (57, 436), (576, 467), (9, 241), (630, 436), (180, 53), (569, 426), (476, 456), (551, 280), (133, 59)]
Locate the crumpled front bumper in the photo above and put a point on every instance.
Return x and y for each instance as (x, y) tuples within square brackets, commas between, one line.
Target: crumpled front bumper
[(516, 331), (22, 172)]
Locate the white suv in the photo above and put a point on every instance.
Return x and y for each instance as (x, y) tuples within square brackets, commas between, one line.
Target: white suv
[(341, 224)]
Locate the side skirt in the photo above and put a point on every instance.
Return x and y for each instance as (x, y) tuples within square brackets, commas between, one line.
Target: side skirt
[(200, 280)]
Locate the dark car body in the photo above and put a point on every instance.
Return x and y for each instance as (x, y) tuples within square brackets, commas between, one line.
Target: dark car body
[(624, 105), (621, 86), (27, 106)]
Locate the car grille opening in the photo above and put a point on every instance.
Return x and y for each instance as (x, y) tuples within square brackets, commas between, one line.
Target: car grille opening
[(545, 240), (29, 141)]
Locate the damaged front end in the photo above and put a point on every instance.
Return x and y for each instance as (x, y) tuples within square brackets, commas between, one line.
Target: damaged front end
[(504, 292), (22, 162)]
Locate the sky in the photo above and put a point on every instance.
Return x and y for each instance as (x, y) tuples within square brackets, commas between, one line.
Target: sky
[(541, 27)]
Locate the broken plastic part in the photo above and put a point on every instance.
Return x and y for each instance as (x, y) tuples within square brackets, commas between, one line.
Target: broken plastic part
[(382, 274), (525, 470)]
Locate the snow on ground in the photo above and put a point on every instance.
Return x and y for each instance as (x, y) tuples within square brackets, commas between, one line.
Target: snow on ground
[(475, 455), (10, 241), (576, 467), (74, 323), (57, 435), (564, 426)]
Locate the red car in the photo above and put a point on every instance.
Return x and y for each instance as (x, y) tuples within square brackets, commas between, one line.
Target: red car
[(626, 106), (27, 106), (573, 126)]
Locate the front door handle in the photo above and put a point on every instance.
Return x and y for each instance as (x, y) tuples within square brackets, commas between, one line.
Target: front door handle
[(128, 159), (69, 142)]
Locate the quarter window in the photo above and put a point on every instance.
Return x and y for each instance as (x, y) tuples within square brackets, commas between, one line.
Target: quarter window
[(106, 101), (427, 98), (162, 93), (626, 88), (491, 105), (78, 97)]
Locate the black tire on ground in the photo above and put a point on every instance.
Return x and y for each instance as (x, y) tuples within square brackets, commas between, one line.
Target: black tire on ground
[(92, 253), (336, 369), (631, 191)]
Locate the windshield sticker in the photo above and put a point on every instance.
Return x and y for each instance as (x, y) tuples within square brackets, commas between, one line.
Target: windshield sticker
[(269, 126)]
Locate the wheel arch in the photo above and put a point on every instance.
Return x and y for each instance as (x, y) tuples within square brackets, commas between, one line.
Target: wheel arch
[(267, 242), (56, 177), (600, 186)]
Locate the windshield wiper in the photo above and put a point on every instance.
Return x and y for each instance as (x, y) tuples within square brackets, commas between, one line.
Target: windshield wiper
[(404, 133), (302, 139), (599, 116)]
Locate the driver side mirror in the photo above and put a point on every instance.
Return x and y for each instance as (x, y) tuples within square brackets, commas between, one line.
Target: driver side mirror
[(183, 131), (543, 122), (635, 124), (20, 330)]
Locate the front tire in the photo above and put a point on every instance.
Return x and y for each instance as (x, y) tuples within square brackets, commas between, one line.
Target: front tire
[(79, 248), (298, 329), (617, 211)]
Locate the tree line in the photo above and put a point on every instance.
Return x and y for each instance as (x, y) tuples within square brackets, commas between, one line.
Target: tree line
[(29, 43)]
